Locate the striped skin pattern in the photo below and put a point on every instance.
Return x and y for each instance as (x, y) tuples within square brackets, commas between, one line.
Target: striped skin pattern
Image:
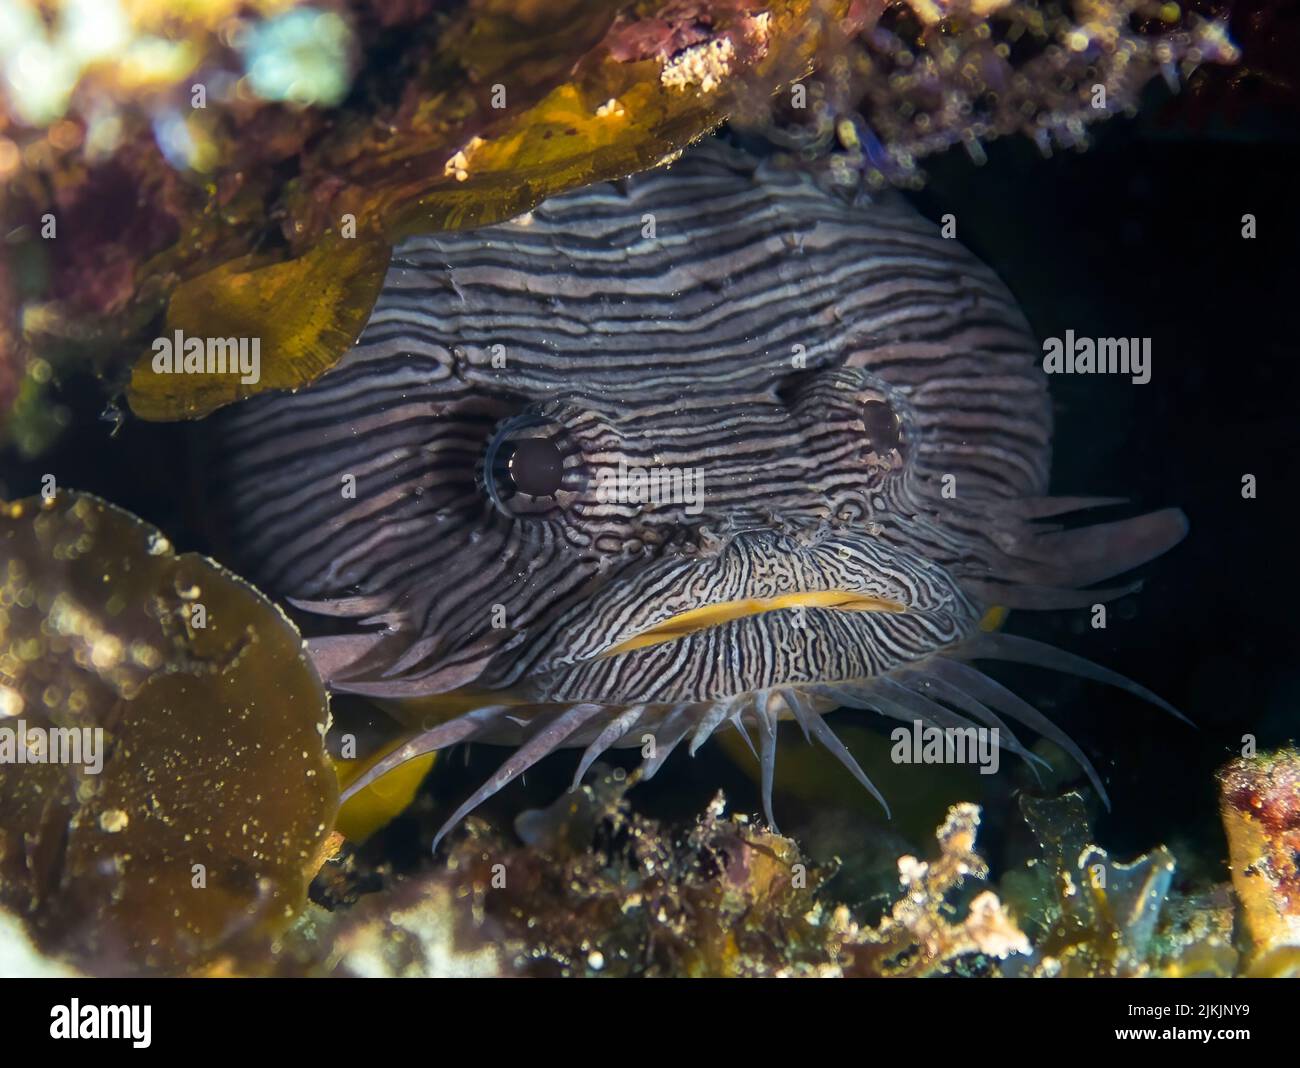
[(860, 396)]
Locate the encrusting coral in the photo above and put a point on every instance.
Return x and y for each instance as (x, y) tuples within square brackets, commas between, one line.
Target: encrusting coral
[(1259, 800)]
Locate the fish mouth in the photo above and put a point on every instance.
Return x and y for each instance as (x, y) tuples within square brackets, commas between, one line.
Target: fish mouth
[(769, 607), (712, 615)]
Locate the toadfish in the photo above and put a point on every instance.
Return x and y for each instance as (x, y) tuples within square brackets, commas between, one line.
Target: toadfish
[(707, 448)]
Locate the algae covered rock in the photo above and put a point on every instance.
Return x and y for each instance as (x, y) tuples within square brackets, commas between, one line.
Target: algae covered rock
[(1089, 915), (200, 170), (590, 887), (177, 157), (164, 784), (1259, 799)]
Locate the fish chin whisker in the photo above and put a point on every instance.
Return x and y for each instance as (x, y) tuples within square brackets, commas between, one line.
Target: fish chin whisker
[(545, 740), (1020, 650), (813, 723), (737, 720), (936, 689), (764, 707), (714, 716), (463, 728), (767, 752), (847, 695), (997, 697), (893, 699), (942, 690), (907, 706), (613, 733), (979, 696), (671, 730), (801, 709)]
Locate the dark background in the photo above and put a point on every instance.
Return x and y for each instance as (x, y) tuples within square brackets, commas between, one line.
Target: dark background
[(1141, 237)]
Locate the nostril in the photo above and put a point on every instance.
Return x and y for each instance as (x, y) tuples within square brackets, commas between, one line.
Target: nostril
[(791, 386), (883, 427), (851, 401)]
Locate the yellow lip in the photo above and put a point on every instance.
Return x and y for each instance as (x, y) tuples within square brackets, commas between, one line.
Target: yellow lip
[(712, 615)]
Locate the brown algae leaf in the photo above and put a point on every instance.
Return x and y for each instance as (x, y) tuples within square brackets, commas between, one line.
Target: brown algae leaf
[(516, 103), (298, 317), (285, 124), (164, 784)]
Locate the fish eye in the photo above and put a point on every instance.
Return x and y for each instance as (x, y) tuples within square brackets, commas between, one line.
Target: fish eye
[(527, 465), (535, 466)]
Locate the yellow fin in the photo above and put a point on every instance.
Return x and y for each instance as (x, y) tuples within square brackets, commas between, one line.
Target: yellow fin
[(994, 618), (385, 798)]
